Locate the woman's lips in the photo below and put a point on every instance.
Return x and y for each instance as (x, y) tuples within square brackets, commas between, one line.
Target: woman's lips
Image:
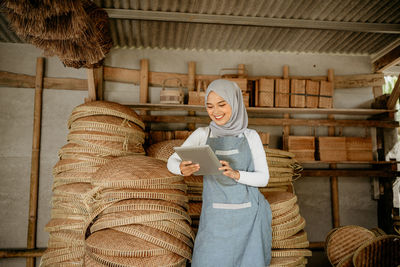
[(218, 117)]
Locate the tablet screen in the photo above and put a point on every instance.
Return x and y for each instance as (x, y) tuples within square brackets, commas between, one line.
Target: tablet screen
[(203, 155)]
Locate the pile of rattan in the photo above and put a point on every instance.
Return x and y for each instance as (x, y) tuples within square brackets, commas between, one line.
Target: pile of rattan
[(139, 212), (356, 246), (76, 31), (99, 132)]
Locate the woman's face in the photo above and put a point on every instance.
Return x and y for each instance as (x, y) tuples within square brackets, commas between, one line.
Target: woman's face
[(218, 109)]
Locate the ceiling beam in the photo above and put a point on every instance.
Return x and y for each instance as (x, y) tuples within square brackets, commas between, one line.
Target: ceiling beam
[(388, 60), (253, 21)]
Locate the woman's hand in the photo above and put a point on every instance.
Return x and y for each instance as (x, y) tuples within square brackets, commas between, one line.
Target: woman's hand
[(187, 168), (228, 171)]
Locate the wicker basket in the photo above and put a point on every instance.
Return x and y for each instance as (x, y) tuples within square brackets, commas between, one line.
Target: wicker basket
[(163, 150)]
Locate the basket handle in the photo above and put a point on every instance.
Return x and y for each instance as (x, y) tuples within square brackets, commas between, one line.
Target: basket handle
[(178, 82)]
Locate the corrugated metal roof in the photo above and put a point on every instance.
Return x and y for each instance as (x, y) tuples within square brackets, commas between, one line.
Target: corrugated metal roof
[(152, 32)]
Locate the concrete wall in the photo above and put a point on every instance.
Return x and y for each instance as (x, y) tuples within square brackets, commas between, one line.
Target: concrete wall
[(16, 120)]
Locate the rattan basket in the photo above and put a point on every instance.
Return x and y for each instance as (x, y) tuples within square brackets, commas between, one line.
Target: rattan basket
[(298, 240), (290, 231), (345, 240), (163, 150), (105, 108), (381, 251), (346, 261), (286, 216), (290, 253), (71, 177), (271, 152), (287, 262)]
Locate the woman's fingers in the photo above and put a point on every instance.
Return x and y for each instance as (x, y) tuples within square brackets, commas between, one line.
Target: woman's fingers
[(187, 168)]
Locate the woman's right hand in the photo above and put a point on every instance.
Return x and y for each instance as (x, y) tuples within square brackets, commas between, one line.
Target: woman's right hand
[(187, 168)]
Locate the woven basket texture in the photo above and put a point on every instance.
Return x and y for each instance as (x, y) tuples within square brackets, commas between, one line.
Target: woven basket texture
[(290, 253), (346, 261), (158, 238), (101, 136), (271, 152), (276, 220), (66, 225), (290, 231), (195, 209), (266, 190), (75, 165), (287, 224), (345, 240), (298, 240), (287, 262), (60, 255), (194, 181), (106, 148), (163, 150), (185, 234), (105, 108), (71, 177), (281, 200), (381, 251), (76, 190)]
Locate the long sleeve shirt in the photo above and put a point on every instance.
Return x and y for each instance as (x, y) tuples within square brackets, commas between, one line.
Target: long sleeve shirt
[(258, 178)]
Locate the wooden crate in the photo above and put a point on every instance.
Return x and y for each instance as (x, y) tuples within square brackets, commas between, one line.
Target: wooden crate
[(359, 149), (297, 93), (266, 93), (241, 82), (332, 148), (325, 94), (282, 89), (303, 147), (197, 96), (312, 94)]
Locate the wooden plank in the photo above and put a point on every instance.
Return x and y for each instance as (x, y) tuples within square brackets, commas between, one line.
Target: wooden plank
[(359, 81), (388, 60), (277, 121), (91, 86), (35, 161), (122, 75), (99, 80), (282, 87), (260, 110), (394, 96), (347, 173), (191, 75), (297, 93), (312, 93), (252, 21), (21, 253), (10, 79), (144, 80)]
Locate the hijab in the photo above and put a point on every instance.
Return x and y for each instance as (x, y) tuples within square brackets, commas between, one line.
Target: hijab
[(232, 94)]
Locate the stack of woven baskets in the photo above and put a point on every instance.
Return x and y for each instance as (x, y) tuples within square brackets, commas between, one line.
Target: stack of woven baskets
[(99, 132), (356, 246), (139, 215)]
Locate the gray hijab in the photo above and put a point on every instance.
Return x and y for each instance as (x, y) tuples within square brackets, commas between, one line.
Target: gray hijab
[(232, 94)]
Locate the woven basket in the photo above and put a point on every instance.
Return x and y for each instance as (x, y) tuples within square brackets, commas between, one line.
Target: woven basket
[(105, 108), (286, 216), (298, 240), (291, 253), (271, 152), (195, 209), (184, 234), (290, 231), (287, 262), (75, 165), (381, 251), (66, 225), (137, 138), (194, 181), (158, 238), (346, 261), (280, 202), (70, 177), (163, 150), (76, 190), (52, 256), (345, 240)]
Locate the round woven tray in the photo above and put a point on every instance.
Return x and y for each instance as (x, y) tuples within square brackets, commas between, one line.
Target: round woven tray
[(266, 190), (105, 108), (52, 256), (75, 165), (286, 216), (280, 202), (381, 251), (70, 177), (194, 181), (280, 162), (346, 261), (110, 242), (298, 240), (106, 124), (158, 238), (168, 260), (163, 150), (280, 178), (276, 171), (66, 225), (195, 209), (171, 226), (195, 197), (291, 253), (345, 240), (105, 148), (287, 224), (290, 231), (75, 190), (287, 262)]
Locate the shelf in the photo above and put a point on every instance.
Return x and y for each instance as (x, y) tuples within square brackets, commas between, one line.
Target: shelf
[(349, 173), (349, 162), (261, 110)]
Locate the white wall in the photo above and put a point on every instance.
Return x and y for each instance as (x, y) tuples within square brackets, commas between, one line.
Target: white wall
[(16, 116)]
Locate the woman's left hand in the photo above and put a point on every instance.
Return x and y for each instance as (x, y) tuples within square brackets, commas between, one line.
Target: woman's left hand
[(228, 171)]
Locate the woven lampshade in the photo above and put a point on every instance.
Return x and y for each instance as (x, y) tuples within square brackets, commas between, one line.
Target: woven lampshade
[(105, 108), (163, 150), (345, 240), (380, 251)]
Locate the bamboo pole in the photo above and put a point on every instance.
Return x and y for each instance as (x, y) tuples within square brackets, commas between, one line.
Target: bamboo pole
[(33, 197), (21, 253), (191, 83), (91, 86)]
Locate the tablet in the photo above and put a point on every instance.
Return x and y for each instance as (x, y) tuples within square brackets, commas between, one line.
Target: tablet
[(202, 155)]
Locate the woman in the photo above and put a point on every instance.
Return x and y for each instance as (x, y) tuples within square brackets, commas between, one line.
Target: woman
[(235, 222)]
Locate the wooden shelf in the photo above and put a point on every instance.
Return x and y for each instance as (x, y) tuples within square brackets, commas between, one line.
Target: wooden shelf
[(349, 173), (261, 110), (349, 162)]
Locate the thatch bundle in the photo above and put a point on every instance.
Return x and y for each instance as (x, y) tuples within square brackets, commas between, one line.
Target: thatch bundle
[(75, 31)]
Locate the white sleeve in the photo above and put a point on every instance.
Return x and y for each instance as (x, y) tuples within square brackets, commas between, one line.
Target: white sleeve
[(198, 137), (260, 176)]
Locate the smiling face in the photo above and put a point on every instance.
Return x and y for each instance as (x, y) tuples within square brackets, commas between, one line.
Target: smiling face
[(218, 109)]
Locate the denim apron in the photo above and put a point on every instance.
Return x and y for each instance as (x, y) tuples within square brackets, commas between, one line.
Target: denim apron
[(235, 221)]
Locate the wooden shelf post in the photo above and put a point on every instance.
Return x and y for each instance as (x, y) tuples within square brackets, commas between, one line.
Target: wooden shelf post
[(34, 183), (190, 86)]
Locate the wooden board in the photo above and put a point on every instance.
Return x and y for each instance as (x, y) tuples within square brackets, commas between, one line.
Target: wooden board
[(297, 93), (282, 89), (303, 147), (332, 148)]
